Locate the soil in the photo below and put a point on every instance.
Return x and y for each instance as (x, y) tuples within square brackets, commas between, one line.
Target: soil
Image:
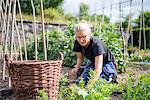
[(7, 93)]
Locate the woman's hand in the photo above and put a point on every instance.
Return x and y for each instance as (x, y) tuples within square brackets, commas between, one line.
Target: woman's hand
[(74, 70)]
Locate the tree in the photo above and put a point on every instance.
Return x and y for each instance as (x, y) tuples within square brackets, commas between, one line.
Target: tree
[(83, 13), (99, 18), (125, 22), (142, 30), (146, 19), (52, 3), (27, 8)]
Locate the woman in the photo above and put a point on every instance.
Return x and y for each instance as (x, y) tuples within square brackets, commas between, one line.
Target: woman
[(100, 58)]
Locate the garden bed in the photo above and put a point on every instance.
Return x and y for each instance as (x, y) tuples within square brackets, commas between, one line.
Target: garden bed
[(134, 69)]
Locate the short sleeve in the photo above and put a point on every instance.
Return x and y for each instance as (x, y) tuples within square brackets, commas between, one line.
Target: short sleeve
[(77, 47), (98, 49)]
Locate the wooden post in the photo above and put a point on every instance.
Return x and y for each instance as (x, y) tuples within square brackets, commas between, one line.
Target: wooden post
[(143, 28), (111, 6), (128, 34), (103, 14)]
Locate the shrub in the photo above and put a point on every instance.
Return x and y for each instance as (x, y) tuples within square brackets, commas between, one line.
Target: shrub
[(99, 90), (57, 42), (112, 38), (140, 55), (52, 13), (138, 91), (64, 42)]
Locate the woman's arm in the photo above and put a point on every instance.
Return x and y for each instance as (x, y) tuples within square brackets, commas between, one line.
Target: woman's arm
[(80, 59), (98, 66), (98, 69)]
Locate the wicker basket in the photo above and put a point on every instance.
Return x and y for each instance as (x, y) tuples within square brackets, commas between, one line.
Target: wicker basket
[(30, 76)]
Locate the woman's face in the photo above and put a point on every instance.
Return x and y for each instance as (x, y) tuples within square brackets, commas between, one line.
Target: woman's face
[(83, 38)]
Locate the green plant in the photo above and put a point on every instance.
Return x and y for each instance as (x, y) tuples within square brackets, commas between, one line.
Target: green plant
[(27, 8), (52, 13), (63, 90), (140, 55), (42, 95), (56, 42), (99, 90), (83, 13), (99, 18), (70, 17), (139, 90), (112, 38), (64, 42)]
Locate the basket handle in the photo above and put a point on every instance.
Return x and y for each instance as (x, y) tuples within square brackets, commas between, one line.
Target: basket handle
[(60, 56), (8, 61)]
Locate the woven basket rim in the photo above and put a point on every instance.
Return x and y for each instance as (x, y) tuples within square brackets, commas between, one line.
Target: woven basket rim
[(35, 62)]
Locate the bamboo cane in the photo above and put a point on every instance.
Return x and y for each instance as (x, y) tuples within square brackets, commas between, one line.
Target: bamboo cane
[(1, 18), (43, 30), (12, 35), (15, 50), (1, 15), (4, 27), (129, 25), (111, 6), (19, 42), (24, 41), (34, 29), (123, 35), (103, 13), (5, 47), (12, 31), (144, 35), (140, 32)]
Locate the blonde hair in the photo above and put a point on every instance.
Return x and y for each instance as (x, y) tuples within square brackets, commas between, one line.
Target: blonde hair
[(82, 26)]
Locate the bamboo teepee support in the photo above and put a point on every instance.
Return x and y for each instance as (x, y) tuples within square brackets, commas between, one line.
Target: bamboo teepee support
[(43, 30), (12, 31), (34, 30), (6, 38), (19, 41), (143, 26), (24, 41)]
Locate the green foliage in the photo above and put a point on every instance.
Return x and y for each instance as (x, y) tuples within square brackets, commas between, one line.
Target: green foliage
[(42, 95), (27, 8), (53, 13), (63, 90), (99, 90), (69, 17), (126, 22), (111, 36), (70, 57), (57, 42), (146, 19), (83, 14), (131, 90), (138, 91), (140, 55), (52, 3), (64, 42), (99, 18)]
